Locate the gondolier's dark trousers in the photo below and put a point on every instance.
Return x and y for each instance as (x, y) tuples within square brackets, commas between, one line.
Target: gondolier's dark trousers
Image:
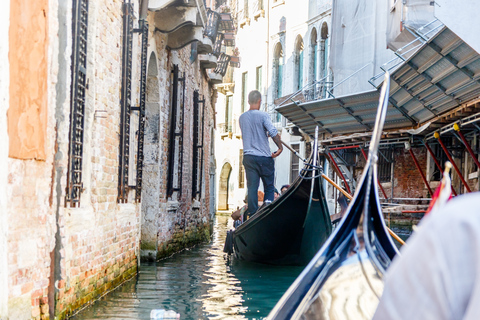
[(257, 168)]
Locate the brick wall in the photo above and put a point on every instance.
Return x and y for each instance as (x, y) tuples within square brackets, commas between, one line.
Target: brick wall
[(60, 258), (181, 220)]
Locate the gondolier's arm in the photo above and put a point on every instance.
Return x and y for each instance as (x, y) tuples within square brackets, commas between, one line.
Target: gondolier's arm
[(278, 142)]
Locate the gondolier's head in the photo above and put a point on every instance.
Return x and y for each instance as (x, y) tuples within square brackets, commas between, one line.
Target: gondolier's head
[(254, 99)]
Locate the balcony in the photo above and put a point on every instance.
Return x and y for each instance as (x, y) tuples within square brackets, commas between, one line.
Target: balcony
[(229, 39), (217, 46), (209, 33), (226, 22), (243, 18), (235, 62), (230, 129), (216, 77), (183, 21), (207, 61)]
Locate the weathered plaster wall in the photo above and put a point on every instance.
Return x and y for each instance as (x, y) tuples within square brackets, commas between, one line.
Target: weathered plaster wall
[(179, 221), (57, 259), (97, 243), (4, 103), (31, 223), (28, 79)]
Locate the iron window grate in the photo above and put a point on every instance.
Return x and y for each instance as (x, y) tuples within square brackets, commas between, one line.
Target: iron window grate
[(141, 125), (175, 165), (125, 102), (77, 102)]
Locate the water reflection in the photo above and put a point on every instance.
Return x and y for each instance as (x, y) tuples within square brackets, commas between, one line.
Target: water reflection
[(201, 283)]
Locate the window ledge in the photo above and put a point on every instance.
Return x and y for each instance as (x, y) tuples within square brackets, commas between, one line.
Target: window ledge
[(226, 134), (172, 205), (196, 204), (258, 14), (278, 3), (245, 21)]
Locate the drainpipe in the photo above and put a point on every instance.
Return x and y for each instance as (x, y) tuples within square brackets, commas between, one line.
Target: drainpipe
[(437, 136), (143, 10)]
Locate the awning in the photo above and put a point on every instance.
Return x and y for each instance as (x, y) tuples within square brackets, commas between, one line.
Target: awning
[(442, 75)]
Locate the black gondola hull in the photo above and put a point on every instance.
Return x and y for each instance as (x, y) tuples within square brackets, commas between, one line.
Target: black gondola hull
[(290, 231)]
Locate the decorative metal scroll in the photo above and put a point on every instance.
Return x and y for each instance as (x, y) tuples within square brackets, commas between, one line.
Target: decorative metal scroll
[(213, 22), (125, 102), (217, 46), (141, 124), (222, 64), (175, 165), (77, 102), (198, 128)]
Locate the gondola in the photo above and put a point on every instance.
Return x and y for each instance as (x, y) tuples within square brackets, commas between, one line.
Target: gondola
[(291, 229), (344, 279)]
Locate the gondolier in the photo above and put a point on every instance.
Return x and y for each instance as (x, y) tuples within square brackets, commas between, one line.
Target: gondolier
[(258, 161)]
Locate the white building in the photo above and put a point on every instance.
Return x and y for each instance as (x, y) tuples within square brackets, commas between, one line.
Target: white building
[(283, 47)]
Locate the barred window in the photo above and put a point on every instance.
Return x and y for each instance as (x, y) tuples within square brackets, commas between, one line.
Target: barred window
[(175, 160), (77, 102), (198, 138), (125, 104), (385, 159)]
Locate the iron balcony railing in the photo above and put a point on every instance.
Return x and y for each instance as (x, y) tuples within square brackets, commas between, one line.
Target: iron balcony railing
[(319, 89), (213, 23), (222, 64), (217, 46)]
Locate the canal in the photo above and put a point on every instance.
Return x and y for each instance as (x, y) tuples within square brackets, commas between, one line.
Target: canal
[(199, 283)]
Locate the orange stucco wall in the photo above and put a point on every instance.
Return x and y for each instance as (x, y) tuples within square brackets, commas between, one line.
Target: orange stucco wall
[(27, 114)]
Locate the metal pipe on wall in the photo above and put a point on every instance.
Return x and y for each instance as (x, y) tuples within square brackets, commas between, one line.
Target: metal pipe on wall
[(143, 10)]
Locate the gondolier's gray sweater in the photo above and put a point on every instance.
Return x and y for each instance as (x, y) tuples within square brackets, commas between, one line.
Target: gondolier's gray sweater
[(255, 126)]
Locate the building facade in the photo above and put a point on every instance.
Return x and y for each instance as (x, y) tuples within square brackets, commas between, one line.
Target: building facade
[(320, 63), (107, 159), (434, 96), (283, 47)]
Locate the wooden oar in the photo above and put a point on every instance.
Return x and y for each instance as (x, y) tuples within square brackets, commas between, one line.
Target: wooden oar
[(345, 193)]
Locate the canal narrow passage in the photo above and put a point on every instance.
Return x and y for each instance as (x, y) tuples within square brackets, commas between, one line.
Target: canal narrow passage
[(199, 283)]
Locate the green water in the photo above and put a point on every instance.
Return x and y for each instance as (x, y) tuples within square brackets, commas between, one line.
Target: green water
[(200, 283)]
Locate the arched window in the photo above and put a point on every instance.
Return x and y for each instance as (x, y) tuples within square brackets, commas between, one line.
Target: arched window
[(324, 50), (312, 76), (299, 63), (324, 58), (278, 62)]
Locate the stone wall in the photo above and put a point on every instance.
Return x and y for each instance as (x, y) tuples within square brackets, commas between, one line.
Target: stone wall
[(60, 258), (4, 103), (170, 224)]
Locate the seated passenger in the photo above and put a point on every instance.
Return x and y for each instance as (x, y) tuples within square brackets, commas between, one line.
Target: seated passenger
[(438, 274)]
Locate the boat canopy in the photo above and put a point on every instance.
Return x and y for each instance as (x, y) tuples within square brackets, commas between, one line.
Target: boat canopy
[(442, 74)]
